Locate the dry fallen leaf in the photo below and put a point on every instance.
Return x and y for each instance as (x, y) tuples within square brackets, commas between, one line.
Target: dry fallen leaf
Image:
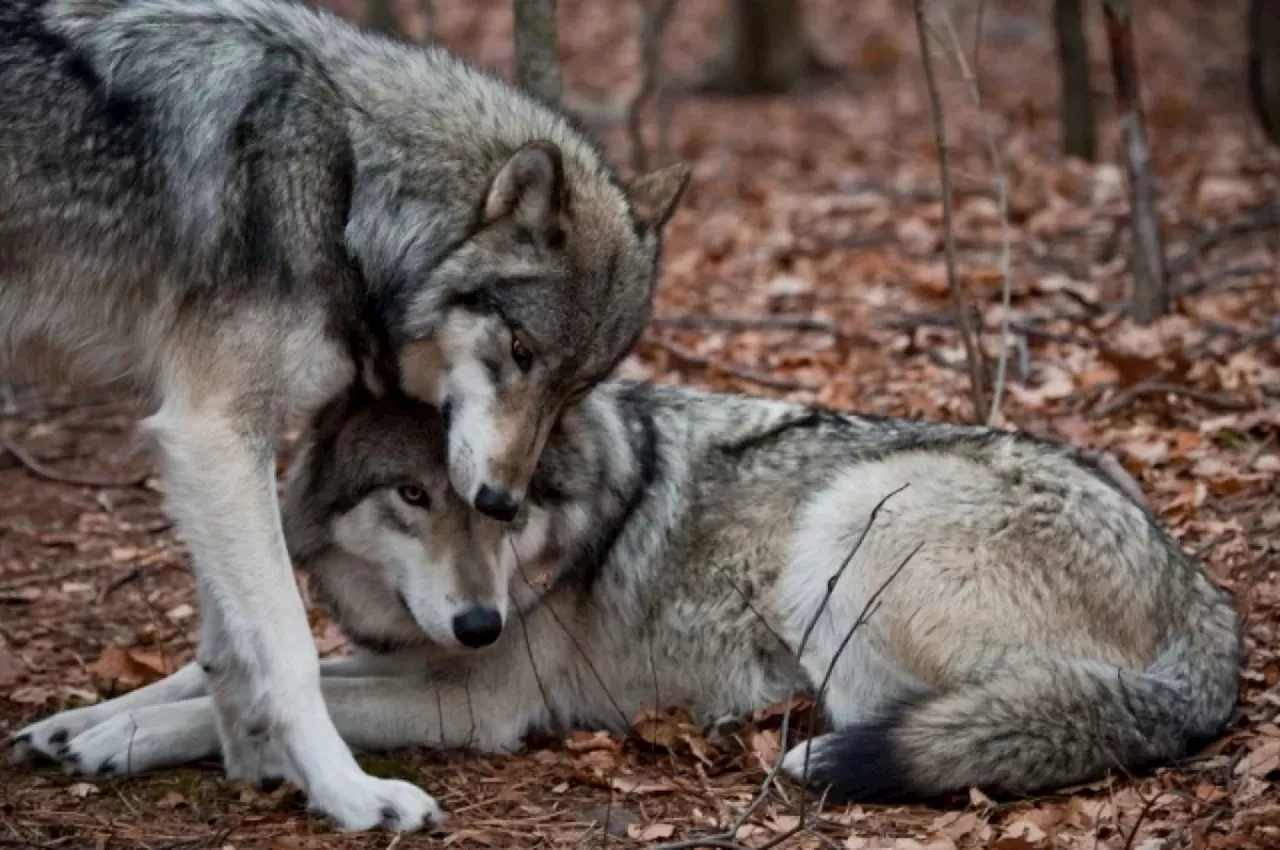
[(32, 695), (584, 742), (1261, 761), (671, 729), (764, 745), (955, 825), (631, 785), (469, 836), (120, 670), (11, 667), (652, 832)]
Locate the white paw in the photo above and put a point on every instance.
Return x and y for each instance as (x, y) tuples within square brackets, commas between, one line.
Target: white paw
[(363, 802), (51, 737), (793, 763), (143, 740), (256, 761)]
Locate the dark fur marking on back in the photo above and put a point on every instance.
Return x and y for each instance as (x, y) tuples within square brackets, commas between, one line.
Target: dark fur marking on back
[(813, 419), (590, 560)]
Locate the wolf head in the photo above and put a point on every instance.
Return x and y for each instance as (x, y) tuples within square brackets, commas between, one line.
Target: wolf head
[(493, 256), (537, 301), (399, 557)]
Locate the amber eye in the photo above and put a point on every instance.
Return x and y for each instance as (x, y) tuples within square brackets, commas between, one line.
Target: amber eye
[(413, 495), (521, 354)]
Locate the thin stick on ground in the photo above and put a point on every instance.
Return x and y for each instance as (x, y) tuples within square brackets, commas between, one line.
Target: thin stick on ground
[(872, 605), (746, 323), (689, 358), (973, 352), (37, 468), (1002, 196), (728, 838), (653, 22)]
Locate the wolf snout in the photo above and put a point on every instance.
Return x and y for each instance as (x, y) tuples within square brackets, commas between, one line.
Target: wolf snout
[(496, 501), (477, 627)]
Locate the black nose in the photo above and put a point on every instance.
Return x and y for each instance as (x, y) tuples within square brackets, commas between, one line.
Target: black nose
[(496, 502), (477, 627)]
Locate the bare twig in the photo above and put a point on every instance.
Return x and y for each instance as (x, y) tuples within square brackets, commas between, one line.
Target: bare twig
[(728, 837), (528, 645), (871, 606), (1002, 196), (119, 582), (1076, 108), (1156, 386), (689, 358), (37, 468), (1150, 298), (625, 720), (654, 15), (747, 323), (538, 49), (429, 14), (1147, 805), (973, 353), (380, 16), (1263, 218)]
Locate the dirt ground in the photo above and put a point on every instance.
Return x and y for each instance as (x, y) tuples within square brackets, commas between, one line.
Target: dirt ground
[(824, 207)]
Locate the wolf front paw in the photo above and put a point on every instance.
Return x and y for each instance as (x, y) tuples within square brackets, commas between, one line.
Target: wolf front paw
[(51, 737), (143, 740), (363, 802)]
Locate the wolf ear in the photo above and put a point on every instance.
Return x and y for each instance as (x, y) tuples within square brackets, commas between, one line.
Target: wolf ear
[(654, 196), (530, 188)]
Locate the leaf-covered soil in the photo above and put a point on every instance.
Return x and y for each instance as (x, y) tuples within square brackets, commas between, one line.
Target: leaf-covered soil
[(805, 263)]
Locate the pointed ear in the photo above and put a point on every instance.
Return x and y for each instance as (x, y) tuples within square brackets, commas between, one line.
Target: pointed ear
[(531, 188), (654, 196)]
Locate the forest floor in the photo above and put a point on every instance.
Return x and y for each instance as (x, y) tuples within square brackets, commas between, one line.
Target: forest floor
[(823, 206)]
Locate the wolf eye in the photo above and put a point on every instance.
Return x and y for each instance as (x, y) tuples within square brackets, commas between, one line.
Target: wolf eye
[(413, 495), (521, 354)]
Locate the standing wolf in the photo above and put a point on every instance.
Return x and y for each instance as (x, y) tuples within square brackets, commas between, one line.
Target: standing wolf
[(238, 207), (1008, 617)]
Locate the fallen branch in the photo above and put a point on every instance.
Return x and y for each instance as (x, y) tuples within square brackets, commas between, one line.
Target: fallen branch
[(1150, 298), (538, 49), (690, 321), (689, 358), (1110, 466), (37, 468), (1157, 386), (728, 838), (871, 606), (653, 23), (973, 354), (1002, 195), (1263, 218)]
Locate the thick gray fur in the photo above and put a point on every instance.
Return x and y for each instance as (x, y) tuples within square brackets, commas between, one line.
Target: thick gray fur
[(676, 546), (239, 207)]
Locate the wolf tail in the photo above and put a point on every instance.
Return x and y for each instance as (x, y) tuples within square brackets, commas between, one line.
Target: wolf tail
[(1042, 723)]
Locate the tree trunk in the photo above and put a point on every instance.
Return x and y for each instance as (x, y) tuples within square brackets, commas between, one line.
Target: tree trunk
[(1150, 290), (762, 49), (1073, 63), (1264, 64), (379, 16), (538, 49)]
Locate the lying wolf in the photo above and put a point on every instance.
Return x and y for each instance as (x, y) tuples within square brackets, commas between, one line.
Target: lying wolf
[(987, 609), (238, 207)]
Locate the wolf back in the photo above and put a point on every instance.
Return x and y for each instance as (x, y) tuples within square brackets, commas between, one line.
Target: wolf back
[(1030, 627)]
